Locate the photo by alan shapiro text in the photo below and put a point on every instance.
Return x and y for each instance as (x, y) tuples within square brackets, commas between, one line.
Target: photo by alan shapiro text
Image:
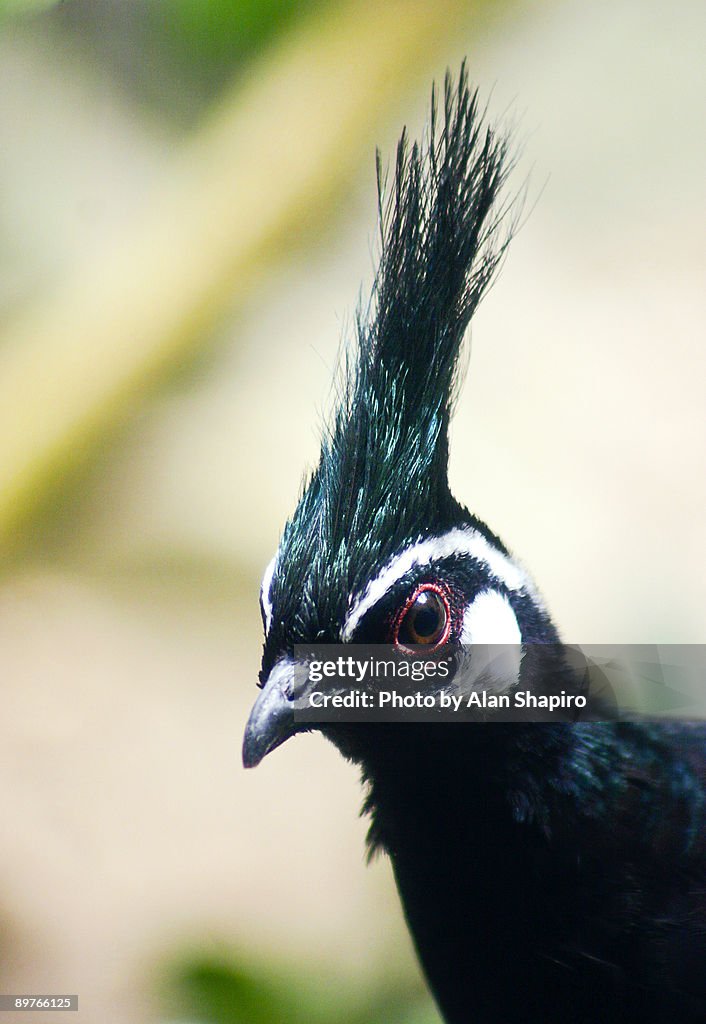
[(446, 701)]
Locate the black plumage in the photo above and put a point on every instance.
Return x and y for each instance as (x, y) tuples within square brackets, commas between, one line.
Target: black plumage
[(551, 872)]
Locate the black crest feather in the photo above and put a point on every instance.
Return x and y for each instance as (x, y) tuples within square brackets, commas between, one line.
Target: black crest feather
[(383, 465)]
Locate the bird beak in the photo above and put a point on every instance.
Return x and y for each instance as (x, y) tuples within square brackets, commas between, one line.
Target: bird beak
[(271, 720)]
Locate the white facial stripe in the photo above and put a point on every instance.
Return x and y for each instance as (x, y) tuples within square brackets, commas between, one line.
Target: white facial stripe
[(489, 619), (265, 592), (466, 541), (491, 626)]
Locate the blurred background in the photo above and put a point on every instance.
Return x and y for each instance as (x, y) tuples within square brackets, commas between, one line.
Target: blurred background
[(187, 214)]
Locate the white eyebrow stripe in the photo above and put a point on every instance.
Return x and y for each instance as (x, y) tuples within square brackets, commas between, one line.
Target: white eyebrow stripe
[(465, 541), (265, 591)]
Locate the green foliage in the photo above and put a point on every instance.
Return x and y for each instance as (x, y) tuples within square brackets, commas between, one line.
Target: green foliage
[(176, 55), (16, 7), (223, 30), (221, 991)]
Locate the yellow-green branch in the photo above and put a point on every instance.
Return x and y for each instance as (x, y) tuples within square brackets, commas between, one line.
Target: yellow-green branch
[(269, 159)]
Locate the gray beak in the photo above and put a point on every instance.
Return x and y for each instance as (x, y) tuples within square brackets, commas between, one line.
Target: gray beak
[(271, 720)]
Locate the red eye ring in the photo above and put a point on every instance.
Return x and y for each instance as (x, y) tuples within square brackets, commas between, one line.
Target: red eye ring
[(443, 604)]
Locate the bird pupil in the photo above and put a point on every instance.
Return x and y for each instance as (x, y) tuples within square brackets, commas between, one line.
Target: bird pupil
[(425, 620), (426, 616)]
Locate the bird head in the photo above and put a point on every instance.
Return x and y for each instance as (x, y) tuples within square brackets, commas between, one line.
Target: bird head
[(378, 550)]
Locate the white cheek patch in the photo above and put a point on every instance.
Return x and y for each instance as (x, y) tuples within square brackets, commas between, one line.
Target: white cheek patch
[(265, 592), (491, 626), (490, 619)]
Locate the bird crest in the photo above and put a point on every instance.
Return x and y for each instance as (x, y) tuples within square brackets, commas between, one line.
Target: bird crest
[(381, 480)]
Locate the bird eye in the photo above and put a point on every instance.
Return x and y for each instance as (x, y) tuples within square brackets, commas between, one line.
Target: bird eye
[(425, 619)]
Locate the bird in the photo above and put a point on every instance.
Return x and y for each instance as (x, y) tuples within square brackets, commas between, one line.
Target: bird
[(549, 871)]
